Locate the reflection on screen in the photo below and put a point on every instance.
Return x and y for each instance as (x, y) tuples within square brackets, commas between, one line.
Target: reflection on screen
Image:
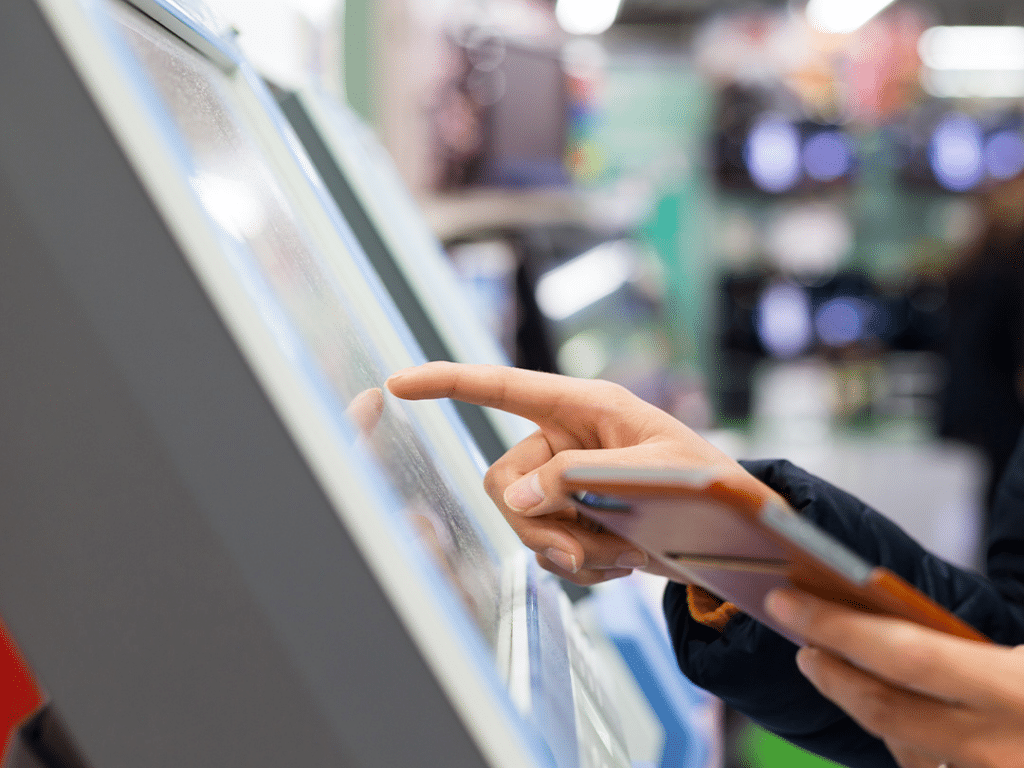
[(282, 267)]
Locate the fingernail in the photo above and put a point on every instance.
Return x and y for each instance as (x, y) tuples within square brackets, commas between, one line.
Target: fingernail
[(782, 606), (395, 376), (524, 493), (562, 559), (633, 559)]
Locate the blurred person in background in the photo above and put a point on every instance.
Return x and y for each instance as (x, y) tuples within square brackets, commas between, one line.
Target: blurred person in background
[(871, 691), (983, 402)]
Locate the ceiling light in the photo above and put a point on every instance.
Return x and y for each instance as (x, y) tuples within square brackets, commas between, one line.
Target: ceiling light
[(973, 48), (586, 17), (843, 16), (966, 84), (584, 280)]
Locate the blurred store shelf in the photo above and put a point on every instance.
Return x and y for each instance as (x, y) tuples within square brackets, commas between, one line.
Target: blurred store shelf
[(458, 214)]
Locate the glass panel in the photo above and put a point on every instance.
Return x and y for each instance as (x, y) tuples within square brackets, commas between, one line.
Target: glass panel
[(288, 277)]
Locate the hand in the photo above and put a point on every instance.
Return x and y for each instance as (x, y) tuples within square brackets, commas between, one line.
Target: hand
[(931, 697), (581, 423)]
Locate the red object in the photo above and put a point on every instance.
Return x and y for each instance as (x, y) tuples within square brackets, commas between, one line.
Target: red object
[(19, 693)]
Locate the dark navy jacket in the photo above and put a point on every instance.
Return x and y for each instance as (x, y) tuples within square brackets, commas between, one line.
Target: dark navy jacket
[(753, 669)]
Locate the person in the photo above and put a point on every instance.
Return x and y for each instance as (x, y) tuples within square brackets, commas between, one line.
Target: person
[(982, 402), (868, 691)]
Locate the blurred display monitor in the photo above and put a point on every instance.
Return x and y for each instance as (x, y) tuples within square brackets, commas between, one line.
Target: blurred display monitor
[(502, 120), (758, 146), (943, 150), (776, 155), (770, 316), (223, 543), (410, 261)]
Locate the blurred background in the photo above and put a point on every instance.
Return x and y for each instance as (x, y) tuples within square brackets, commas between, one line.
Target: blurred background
[(796, 226)]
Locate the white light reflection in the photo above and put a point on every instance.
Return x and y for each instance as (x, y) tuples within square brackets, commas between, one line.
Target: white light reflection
[(784, 320), (827, 156), (584, 356), (956, 153), (249, 11), (588, 278), (586, 17), (1004, 154), (809, 238), (284, 39), (841, 16), (230, 204), (772, 153), (841, 321)]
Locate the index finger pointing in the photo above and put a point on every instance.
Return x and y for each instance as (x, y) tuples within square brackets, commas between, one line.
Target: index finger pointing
[(530, 394)]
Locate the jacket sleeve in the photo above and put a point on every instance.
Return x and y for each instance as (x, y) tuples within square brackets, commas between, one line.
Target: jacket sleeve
[(753, 669)]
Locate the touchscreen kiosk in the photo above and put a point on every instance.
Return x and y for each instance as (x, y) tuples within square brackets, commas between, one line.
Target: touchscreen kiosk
[(364, 182), (222, 542)]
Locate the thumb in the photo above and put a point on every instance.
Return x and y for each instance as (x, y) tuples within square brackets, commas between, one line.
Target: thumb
[(542, 490)]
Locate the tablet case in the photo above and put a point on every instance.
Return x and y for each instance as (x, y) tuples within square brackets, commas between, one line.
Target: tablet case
[(735, 537)]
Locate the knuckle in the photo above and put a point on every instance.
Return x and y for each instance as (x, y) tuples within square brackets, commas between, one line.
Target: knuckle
[(612, 396), (557, 465), (494, 482), (551, 477)]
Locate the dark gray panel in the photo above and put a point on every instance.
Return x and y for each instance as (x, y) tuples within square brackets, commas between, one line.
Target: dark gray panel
[(43, 742), (167, 562)]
